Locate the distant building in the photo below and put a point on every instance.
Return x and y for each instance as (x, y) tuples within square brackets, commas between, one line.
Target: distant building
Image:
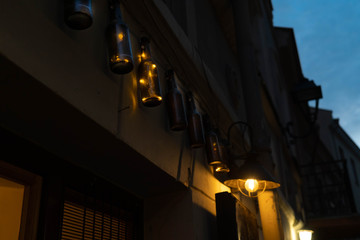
[(336, 181)]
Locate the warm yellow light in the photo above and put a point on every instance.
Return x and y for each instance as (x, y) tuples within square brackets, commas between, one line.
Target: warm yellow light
[(142, 81), (153, 66), (222, 169), (145, 99), (214, 146), (305, 234), (143, 54), (121, 36), (251, 185), (117, 59)]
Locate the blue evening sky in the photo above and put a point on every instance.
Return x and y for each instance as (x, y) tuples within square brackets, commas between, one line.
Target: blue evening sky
[(327, 34)]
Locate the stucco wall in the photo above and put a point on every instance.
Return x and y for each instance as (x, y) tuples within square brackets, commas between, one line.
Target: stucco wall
[(59, 59)]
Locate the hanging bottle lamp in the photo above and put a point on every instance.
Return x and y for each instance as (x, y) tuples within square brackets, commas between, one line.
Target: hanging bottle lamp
[(149, 84), (175, 104), (196, 134), (78, 14), (119, 45), (223, 166), (213, 150)]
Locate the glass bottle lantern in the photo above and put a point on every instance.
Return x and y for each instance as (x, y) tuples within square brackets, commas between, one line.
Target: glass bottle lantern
[(149, 84), (196, 134), (175, 104), (223, 166), (213, 150), (119, 45), (78, 14)]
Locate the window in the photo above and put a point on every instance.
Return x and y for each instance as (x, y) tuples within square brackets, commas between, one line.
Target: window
[(93, 218), (20, 193), (11, 199)]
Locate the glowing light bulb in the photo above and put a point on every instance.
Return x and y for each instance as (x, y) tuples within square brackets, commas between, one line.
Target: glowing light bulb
[(121, 36), (305, 234), (251, 185)]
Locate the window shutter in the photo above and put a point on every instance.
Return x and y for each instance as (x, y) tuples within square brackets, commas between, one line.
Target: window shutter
[(80, 222)]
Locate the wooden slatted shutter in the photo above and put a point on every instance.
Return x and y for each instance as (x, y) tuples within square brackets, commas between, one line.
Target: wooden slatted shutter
[(81, 222)]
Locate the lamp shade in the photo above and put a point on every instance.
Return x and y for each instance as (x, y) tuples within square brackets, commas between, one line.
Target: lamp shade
[(251, 179)]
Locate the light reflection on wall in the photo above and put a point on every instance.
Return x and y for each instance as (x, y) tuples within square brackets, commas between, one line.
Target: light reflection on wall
[(133, 92)]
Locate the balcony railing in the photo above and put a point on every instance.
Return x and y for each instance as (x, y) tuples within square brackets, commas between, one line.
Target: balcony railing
[(327, 191)]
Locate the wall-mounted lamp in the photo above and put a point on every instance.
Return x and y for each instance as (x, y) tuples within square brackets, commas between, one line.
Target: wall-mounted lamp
[(149, 84), (251, 179), (303, 92), (78, 14), (305, 234), (119, 45), (195, 127), (175, 104)]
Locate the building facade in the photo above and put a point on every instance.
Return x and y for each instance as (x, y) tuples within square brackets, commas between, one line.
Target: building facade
[(86, 159)]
